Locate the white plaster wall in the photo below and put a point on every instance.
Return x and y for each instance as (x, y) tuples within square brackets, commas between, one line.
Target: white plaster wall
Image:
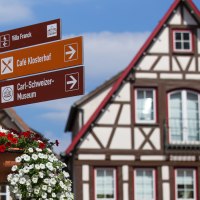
[(176, 18), (163, 64), (147, 146), (170, 76), (91, 157), (92, 105), (89, 143), (122, 157), (165, 173), (85, 173), (109, 115), (188, 19), (183, 60), (161, 44), (146, 75), (124, 93), (155, 138), (138, 138), (146, 63), (121, 139), (125, 191), (192, 66), (192, 76), (166, 191), (125, 173), (155, 158), (86, 191), (103, 134), (125, 116), (175, 66)]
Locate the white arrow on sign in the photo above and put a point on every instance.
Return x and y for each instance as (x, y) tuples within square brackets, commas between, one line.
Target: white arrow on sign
[(73, 82), (72, 52)]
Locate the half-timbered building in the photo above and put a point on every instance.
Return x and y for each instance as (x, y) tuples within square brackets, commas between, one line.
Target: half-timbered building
[(137, 137)]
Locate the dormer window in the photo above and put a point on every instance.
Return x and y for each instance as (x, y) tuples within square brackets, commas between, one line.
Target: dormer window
[(182, 41)]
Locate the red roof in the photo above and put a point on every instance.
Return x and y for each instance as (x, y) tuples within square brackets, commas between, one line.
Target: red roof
[(123, 75)]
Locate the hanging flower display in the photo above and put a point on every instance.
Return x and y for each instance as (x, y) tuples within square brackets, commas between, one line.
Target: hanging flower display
[(38, 173)]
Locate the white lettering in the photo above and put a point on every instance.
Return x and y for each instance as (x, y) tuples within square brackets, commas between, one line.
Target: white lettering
[(21, 63), (26, 35), (31, 95)]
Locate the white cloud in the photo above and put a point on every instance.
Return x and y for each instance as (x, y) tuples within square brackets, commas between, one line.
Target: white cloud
[(108, 53), (14, 11)]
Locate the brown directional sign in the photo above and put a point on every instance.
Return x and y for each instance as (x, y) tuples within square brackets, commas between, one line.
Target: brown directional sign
[(30, 35), (42, 87), (41, 58)]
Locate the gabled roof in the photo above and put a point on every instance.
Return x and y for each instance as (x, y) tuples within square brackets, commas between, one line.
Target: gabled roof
[(127, 70), (14, 117)]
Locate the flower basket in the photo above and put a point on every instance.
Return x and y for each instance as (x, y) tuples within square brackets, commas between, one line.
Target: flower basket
[(30, 167)]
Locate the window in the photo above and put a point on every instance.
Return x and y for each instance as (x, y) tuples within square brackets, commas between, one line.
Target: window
[(4, 192), (182, 41), (105, 184), (145, 106), (144, 184), (185, 184), (184, 116)]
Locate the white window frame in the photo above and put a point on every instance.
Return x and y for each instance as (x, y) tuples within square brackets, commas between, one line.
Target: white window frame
[(7, 193), (194, 183), (139, 121), (115, 183), (182, 41), (154, 182), (184, 115)]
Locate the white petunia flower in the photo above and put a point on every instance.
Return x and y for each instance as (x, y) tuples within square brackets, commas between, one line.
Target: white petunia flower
[(44, 195), (42, 166), (30, 150), (41, 155), (14, 168), (44, 187), (37, 166), (18, 159), (53, 195), (34, 179), (41, 174), (34, 157), (46, 180), (38, 150), (22, 180)]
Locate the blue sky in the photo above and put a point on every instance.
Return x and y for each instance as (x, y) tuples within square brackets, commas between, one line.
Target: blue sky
[(113, 31)]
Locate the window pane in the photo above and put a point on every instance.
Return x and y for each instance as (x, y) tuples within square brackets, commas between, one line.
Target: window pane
[(186, 45), (178, 45), (175, 116), (178, 36), (2, 197), (144, 187), (193, 116), (2, 189), (105, 186), (186, 36), (185, 184), (182, 40), (145, 105)]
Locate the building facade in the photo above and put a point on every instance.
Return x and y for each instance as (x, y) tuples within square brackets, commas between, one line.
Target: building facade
[(137, 137)]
